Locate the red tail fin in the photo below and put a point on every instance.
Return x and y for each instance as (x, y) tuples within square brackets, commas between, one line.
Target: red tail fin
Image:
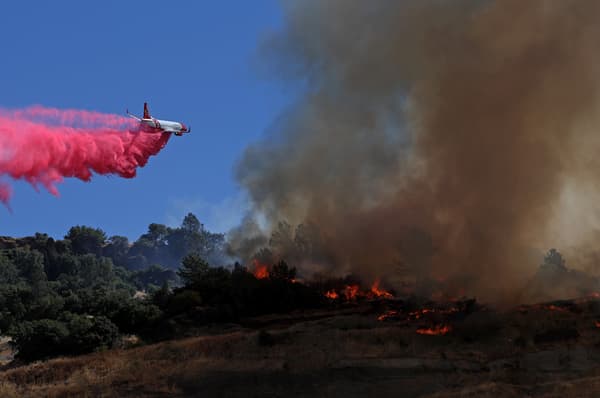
[(146, 112)]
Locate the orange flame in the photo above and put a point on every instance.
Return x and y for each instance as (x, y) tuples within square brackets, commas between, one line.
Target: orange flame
[(436, 330), (354, 292), (553, 307), (387, 314), (377, 292), (351, 292), (261, 271), (418, 314), (597, 323)]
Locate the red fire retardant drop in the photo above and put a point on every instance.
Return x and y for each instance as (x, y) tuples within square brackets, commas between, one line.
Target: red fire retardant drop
[(44, 145)]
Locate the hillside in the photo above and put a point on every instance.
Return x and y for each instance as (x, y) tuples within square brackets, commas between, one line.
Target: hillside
[(262, 330), (550, 350)]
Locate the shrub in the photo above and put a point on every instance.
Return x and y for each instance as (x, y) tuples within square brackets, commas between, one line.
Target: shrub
[(39, 339)]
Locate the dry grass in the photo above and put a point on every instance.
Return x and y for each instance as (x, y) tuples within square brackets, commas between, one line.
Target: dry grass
[(182, 367), (346, 356), (145, 371)]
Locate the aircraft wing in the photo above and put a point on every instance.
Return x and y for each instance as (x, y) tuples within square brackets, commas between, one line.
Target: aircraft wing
[(133, 116)]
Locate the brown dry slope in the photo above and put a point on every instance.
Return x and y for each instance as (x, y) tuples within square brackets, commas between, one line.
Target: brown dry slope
[(542, 351)]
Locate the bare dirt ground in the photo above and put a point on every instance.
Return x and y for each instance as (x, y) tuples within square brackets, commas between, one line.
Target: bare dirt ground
[(539, 351)]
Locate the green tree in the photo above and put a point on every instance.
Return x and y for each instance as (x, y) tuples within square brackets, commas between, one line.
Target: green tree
[(117, 249), (73, 334), (86, 240), (161, 296), (63, 264), (193, 269), (191, 237), (153, 247), (153, 277), (183, 301), (156, 235), (135, 316), (89, 333), (9, 274), (191, 224), (39, 339), (95, 271), (14, 301), (30, 264)]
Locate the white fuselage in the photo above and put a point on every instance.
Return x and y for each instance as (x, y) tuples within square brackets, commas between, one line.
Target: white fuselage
[(152, 125), (166, 126)]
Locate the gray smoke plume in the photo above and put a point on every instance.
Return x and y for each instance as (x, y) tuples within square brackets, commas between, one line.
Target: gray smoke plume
[(435, 139)]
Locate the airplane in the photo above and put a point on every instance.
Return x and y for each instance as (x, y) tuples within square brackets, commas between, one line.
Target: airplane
[(160, 126)]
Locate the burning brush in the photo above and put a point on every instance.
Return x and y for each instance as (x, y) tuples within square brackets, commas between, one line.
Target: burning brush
[(433, 319), (435, 330), (354, 292)]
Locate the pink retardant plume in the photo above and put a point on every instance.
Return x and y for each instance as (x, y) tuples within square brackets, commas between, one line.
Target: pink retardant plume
[(5, 194), (44, 145)]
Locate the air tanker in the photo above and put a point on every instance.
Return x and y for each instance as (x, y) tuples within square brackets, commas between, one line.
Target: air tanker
[(148, 123)]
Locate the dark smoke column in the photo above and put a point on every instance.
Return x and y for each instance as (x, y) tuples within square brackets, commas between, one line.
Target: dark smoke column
[(434, 134)]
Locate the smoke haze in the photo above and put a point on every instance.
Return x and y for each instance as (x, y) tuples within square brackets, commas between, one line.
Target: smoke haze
[(451, 140), (43, 146)]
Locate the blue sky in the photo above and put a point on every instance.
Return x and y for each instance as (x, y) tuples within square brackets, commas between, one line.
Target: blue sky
[(194, 61)]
